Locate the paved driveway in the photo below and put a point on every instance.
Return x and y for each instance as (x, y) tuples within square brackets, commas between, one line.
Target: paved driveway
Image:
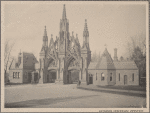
[(66, 96)]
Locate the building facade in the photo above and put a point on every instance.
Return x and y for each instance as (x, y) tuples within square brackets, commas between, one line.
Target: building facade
[(113, 72), (64, 60), (21, 70)]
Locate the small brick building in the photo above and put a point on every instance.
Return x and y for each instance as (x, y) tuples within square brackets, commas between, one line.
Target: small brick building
[(113, 72), (22, 69)]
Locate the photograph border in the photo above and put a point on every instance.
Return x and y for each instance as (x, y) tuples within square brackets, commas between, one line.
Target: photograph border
[(75, 109)]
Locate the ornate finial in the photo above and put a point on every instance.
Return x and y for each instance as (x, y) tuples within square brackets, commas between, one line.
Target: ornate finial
[(72, 33), (45, 32), (20, 52), (64, 13), (76, 35), (51, 35), (105, 45), (85, 20), (85, 26)]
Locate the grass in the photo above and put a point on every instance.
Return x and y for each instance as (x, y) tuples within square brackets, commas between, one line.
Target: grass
[(134, 88)]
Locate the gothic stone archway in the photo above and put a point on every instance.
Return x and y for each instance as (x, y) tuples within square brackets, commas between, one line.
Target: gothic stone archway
[(71, 72), (50, 70)]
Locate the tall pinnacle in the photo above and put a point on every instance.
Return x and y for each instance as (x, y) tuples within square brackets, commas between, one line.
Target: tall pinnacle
[(64, 13), (85, 32), (45, 32), (85, 26)]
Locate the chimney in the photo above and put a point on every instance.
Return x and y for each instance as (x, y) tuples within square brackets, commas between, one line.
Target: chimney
[(115, 55), (19, 58)]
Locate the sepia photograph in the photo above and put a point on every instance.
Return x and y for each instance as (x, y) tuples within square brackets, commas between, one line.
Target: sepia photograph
[(61, 56)]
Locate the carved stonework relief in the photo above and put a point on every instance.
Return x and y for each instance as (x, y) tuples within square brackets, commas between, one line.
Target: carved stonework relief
[(53, 64)]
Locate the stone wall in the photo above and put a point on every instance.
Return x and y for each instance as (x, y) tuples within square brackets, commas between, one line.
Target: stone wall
[(129, 77), (16, 79)]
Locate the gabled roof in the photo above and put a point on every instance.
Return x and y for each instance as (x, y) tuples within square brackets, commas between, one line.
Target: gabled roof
[(29, 57), (28, 60), (92, 65), (13, 65), (105, 62), (125, 65)]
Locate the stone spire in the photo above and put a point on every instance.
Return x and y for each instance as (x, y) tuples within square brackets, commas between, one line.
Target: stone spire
[(85, 32), (64, 13), (85, 26), (45, 38), (45, 32), (86, 36)]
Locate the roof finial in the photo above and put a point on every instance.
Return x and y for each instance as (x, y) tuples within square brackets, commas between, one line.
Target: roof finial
[(85, 20), (51, 35), (105, 46), (45, 32), (64, 13), (85, 26), (72, 33), (20, 52), (76, 35)]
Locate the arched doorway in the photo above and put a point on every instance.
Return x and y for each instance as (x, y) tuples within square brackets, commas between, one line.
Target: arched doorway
[(90, 79), (51, 77), (51, 71), (72, 74)]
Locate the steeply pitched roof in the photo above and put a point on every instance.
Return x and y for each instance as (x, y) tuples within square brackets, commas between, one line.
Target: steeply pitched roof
[(92, 65), (105, 62), (29, 57), (125, 65)]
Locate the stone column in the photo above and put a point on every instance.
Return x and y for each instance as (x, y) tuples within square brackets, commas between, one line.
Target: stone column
[(57, 74), (84, 72), (41, 77), (80, 74), (32, 77)]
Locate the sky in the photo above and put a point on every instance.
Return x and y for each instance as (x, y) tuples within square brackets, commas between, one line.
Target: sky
[(110, 24)]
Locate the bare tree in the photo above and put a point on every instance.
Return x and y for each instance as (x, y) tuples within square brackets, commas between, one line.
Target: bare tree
[(8, 59), (136, 41), (136, 48)]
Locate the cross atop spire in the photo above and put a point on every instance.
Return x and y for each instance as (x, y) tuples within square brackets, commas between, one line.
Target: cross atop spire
[(64, 13), (45, 32)]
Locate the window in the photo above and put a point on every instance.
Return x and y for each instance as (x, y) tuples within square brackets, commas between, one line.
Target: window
[(133, 77), (119, 76), (110, 76), (102, 77), (16, 75), (13, 74), (96, 76)]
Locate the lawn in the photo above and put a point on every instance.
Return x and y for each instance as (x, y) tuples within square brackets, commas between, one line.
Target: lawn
[(134, 88)]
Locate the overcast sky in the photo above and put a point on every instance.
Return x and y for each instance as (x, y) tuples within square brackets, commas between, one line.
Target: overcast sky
[(110, 24)]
